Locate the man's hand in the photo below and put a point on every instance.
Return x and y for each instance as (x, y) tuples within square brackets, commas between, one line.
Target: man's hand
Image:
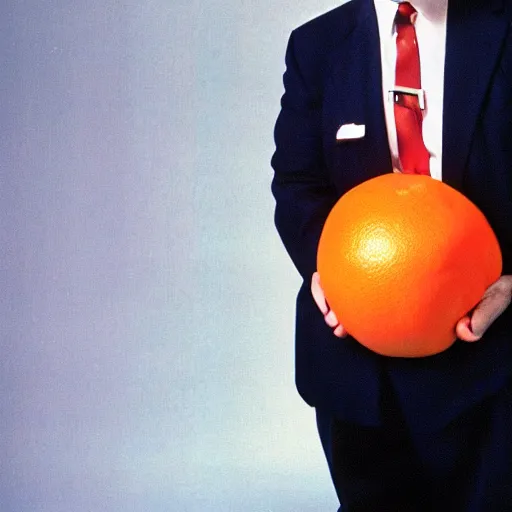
[(495, 300), (329, 315)]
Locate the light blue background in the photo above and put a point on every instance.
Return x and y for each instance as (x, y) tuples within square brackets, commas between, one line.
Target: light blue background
[(147, 303)]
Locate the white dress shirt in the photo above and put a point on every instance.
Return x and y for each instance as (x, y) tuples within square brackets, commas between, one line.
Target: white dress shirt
[(430, 24)]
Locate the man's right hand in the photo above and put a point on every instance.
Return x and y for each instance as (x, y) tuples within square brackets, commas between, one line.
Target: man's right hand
[(329, 315)]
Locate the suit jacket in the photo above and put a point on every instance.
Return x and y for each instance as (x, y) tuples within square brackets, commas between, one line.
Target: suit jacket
[(333, 76)]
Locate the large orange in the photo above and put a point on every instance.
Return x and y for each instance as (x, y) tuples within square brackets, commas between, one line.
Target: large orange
[(401, 259)]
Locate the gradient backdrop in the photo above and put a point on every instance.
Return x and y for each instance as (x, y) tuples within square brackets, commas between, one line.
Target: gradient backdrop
[(146, 301)]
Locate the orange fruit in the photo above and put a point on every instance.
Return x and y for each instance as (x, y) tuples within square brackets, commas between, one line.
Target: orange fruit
[(401, 259)]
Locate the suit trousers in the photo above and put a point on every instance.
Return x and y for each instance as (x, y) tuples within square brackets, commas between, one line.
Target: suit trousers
[(464, 467)]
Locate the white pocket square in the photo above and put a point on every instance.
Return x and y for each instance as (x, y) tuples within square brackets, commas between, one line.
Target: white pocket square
[(350, 131)]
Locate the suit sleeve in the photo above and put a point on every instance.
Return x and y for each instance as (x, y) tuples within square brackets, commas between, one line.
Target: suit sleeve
[(301, 187)]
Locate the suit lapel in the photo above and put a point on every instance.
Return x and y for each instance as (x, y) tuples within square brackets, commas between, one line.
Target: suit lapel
[(473, 41), (356, 80), (378, 159)]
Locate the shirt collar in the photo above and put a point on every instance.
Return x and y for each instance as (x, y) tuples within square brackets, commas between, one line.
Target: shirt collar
[(433, 10)]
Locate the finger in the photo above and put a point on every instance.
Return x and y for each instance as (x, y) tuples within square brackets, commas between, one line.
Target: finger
[(330, 319), (486, 312), (318, 294), (463, 330), (340, 331)]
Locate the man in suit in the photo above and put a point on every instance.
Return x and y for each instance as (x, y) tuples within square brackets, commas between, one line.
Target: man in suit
[(433, 433)]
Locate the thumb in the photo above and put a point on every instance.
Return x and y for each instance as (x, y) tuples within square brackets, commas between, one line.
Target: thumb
[(464, 331), (485, 313), (473, 326)]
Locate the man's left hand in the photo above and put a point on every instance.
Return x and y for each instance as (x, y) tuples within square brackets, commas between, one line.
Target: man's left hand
[(495, 300)]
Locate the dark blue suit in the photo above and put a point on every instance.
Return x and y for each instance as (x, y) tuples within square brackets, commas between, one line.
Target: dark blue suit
[(333, 77)]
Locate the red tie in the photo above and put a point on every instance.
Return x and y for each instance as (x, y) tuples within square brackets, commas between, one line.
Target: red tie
[(409, 100)]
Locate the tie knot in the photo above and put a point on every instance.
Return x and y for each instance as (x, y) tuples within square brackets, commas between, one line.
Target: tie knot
[(405, 12)]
